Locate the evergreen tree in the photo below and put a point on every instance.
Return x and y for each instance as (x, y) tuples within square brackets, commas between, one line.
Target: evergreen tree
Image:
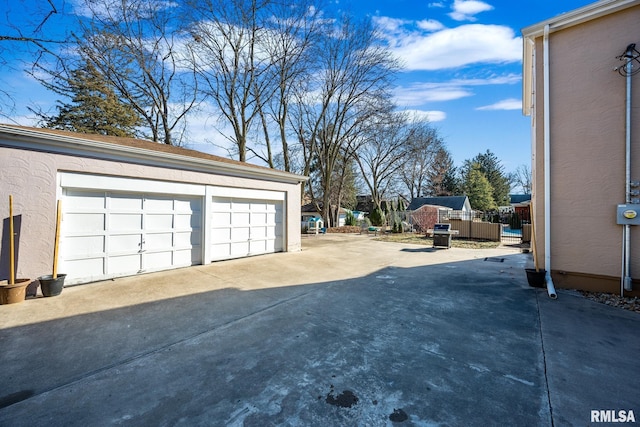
[(439, 176), (478, 189), (451, 183), (489, 165), (94, 106)]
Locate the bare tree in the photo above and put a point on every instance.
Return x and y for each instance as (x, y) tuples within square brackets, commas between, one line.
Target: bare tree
[(228, 59), (419, 167), (30, 37), (355, 80), (292, 29), (389, 143), (521, 179), (137, 46)]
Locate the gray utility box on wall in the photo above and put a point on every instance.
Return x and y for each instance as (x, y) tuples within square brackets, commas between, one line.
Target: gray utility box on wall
[(628, 214)]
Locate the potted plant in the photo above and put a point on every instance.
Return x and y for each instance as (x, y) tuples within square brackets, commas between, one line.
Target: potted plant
[(13, 290), (52, 284)]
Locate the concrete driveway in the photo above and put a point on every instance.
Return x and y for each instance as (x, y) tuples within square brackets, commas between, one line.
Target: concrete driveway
[(350, 331)]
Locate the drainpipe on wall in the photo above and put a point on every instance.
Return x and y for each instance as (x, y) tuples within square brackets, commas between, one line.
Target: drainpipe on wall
[(551, 290), (626, 245)]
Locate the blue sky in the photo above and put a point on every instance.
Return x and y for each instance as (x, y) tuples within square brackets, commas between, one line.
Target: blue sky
[(463, 69)]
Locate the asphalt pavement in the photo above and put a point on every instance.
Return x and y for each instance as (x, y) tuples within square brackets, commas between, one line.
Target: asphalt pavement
[(350, 331)]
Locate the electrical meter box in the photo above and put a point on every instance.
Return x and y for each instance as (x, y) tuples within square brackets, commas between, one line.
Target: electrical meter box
[(628, 214)]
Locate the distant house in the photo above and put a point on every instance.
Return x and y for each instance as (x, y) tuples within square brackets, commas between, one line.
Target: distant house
[(459, 205), (520, 204), (585, 145), (309, 211)]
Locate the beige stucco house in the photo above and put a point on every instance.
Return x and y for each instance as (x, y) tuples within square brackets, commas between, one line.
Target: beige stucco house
[(576, 97), (131, 206)]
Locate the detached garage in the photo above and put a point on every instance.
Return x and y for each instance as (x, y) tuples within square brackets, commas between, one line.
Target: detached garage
[(132, 206)]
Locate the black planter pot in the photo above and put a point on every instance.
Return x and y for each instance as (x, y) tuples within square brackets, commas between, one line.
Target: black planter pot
[(51, 287), (535, 278)]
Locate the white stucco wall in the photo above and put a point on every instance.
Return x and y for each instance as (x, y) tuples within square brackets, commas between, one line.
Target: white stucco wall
[(31, 177)]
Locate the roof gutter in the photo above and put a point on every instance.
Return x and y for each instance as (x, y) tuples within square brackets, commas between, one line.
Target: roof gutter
[(563, 21), (24, 138), (577, 16)]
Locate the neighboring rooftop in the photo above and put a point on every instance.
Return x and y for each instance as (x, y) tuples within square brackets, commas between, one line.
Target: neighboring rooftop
[(456, 203)]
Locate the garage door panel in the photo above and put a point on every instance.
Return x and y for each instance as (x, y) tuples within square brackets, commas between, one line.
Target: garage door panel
[(220, 251), (258, 218), (270, 245), (87, 222), (259, 232), (83, 246), (158, 203), (257, 247), (186, 257), (252, 226), (125, 243), (157, 260), (124, 202), (124, 264), (186, 205), (187, 239), (158, 241), (85, 200), (221, 235), (158, 222), (240, 234), (221, 218), (239, 249), (241, 218), (186, 222), (124, 222), (110, 234), (90, 268)]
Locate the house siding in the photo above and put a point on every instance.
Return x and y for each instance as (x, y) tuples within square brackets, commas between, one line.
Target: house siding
[(587, 151), (32, 178)]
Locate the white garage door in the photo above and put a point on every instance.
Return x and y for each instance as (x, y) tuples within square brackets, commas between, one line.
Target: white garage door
[(110, 234), (242, 227)]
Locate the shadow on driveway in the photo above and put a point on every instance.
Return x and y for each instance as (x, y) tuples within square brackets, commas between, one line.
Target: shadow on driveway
[(450, 343)]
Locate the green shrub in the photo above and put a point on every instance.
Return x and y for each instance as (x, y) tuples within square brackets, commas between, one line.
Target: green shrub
[(350, 219), (377, 217), (515, 222)]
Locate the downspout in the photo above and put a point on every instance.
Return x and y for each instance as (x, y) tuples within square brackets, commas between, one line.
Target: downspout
[(551, 290), (626, 281)]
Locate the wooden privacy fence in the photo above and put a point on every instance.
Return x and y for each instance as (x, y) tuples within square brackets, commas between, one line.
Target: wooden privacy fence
[(477, 229)]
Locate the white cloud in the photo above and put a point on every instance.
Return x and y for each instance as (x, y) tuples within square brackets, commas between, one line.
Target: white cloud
[(465, 10), (456, 47), (436, 4), (505, 104), (427, 116), (389, 25), (430, 25), (421, 93)]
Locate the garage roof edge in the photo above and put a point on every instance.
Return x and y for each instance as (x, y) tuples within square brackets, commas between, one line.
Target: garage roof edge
[(144, 152)]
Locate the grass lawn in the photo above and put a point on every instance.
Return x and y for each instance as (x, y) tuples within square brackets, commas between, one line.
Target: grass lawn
[(419, 239)]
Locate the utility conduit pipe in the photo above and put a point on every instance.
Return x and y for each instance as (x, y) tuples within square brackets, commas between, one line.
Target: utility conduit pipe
[(626, 248), (551, 290)]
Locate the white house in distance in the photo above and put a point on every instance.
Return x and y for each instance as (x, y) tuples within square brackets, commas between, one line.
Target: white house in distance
[(132, 206), (455, 205)]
